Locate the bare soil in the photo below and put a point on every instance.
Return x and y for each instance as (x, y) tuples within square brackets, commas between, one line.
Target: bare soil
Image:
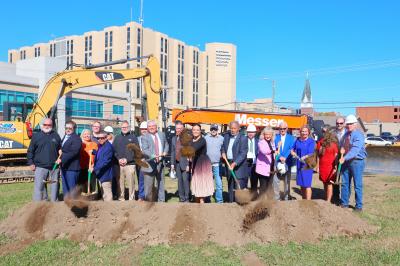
[(262, 221)]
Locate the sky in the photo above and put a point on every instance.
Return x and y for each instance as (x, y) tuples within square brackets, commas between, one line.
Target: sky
[(350, 49)]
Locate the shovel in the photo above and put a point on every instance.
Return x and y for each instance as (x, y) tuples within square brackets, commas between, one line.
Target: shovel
[(90, 195), (49, 180), (241, 196)]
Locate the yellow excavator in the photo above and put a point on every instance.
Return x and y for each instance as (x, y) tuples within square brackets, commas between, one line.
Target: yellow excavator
[(15, 136)]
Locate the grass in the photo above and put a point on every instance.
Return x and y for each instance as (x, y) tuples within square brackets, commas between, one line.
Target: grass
[(13, 196), (382, 208)]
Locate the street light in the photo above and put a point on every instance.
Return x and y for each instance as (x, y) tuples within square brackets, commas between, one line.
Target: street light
[(273, 92)]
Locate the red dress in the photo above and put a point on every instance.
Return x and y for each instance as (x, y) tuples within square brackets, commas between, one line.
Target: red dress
[(327, 162)]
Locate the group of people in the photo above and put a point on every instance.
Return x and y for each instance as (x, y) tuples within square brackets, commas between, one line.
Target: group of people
[(258, 163)]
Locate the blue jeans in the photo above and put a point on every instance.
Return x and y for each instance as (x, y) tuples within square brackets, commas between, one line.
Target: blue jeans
[(218, 184), (40, 188), (69, 179), (141, 185), (352, 169)]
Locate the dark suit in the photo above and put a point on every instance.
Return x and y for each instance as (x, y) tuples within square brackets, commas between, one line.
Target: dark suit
[(251, 165), (181, 173), (239, 152), (70, 166)]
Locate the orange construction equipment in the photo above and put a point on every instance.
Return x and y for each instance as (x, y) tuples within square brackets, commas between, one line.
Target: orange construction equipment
[(224, 117)]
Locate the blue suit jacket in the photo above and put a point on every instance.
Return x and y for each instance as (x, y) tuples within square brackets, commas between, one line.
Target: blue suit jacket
[(103, 162), (239, 150), (71, 153), (287, 147)]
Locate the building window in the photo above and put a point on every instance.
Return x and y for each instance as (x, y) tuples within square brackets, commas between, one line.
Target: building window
[(81, 127), (86, 43), (72, 47), (118, 109), (51, 50), (162, 45), (10, 58), (138, 89), (128, 87), (38, 51), (111, 38), (90, 43), (110, 54), (16, 96), (83, 108), (138, 36), (395, 116), (395, 110), (128, 35), (106, 40)]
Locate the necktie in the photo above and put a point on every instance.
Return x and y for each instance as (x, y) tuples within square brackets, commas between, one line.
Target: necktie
[(347, 143), (251, 146), (65, 140), (156, 147)]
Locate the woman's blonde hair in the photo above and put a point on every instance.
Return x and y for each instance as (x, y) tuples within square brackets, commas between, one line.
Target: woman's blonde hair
[(267, 130), (84, 131)]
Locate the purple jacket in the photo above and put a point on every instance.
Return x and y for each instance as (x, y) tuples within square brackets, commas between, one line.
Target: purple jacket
[(264, 157)]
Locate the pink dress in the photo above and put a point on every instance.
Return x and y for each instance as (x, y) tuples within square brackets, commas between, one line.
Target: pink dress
[(264, 157)]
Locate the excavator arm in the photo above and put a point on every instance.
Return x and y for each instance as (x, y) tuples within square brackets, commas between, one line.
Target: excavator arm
[(70, 80)]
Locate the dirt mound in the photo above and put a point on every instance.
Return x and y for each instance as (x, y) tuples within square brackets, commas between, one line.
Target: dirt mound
[(171, 223)]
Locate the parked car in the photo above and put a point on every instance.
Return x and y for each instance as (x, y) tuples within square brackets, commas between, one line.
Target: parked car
[(386, 134), (392, 139), (377, 141), (370, 135)]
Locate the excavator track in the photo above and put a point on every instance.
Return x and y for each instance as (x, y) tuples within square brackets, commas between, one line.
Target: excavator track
[(14, 170)]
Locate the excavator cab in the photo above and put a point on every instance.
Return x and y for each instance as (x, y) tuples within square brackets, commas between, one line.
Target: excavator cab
[(16, 111)]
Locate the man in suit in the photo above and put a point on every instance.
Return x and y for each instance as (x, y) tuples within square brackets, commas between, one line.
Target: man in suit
[(252, 143), (284, 143), (143, 131), (235, 150), (180, 164), (103, 165), (69, 161), (155, 147)]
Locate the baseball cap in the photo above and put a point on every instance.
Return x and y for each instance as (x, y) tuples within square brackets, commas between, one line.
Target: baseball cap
[(214, 126)]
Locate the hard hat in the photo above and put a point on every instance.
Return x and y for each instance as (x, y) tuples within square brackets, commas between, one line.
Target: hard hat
[(351, 119), (143, 125), (251, 128), (282, 168), (109, 129)]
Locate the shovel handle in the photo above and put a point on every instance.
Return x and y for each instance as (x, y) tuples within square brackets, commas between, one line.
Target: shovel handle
[(232, 172)]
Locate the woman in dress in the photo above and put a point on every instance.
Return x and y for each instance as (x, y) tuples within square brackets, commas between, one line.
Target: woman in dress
[(86, 152), (303, 148), (202, 184), (265, 158), (328, 150)]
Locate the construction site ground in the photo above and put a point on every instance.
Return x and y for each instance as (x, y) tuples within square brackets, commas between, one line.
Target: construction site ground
[(261, 233)]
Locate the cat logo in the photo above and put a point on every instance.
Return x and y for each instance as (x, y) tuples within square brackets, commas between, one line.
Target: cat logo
[(109, 76), (6, 144)]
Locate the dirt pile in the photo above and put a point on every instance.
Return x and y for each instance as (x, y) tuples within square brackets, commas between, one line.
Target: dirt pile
[(171, 223)]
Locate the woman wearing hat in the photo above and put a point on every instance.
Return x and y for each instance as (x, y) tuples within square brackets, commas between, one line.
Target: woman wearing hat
[(265, 158), (110, 133)]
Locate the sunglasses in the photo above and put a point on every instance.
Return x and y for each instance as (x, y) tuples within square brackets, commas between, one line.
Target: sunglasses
[(339, 123), (98, 138), (283, 128), (47, 125), (68, 128)]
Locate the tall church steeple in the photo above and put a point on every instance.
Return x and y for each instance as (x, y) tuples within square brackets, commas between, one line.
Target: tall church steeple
[(306, 104)]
